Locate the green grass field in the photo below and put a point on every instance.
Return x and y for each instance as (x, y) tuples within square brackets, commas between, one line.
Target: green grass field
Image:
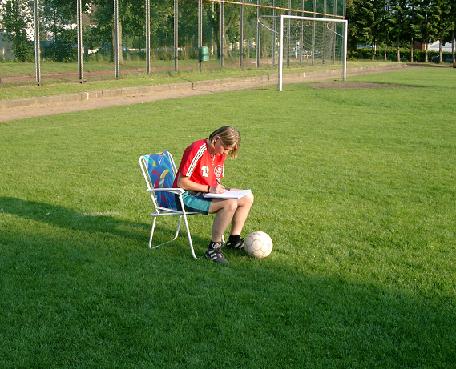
[(356, 187)]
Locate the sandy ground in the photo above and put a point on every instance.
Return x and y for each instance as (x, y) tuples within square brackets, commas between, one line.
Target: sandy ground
[(33, 107)]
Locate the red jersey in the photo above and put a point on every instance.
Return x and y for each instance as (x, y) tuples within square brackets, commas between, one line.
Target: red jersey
[(200, 166)]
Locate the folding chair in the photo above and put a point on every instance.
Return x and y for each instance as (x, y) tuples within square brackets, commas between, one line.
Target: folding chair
[(159, 171)]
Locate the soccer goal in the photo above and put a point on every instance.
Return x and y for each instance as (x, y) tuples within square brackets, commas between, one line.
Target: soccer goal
[(320, 42)]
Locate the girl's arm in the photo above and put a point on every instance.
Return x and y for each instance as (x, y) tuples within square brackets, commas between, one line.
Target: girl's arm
[(188, 185)]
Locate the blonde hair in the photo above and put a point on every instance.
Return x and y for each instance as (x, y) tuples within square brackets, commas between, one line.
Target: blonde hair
[(230, 136)]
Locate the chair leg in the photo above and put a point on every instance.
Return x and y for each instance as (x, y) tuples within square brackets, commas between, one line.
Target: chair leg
[(178, 227), (189, 236), (164, 243), (152, 232)]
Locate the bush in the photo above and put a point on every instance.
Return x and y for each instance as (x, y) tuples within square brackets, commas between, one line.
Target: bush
[(99, 56), (63, 48), (391, 55), (446, 58), (23, 51)]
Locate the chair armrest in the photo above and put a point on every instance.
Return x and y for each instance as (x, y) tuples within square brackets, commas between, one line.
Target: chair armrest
[(178, 191)]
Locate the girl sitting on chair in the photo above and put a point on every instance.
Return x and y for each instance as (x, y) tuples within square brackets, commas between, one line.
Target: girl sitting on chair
[(201, 171)]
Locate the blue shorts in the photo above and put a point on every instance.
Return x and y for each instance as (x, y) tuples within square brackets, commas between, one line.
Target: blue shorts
[(195, 201)]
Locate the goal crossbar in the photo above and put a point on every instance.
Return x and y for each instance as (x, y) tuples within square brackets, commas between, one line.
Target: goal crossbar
[(344, 55)]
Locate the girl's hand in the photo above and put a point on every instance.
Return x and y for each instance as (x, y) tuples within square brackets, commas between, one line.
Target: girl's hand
[(217, 189), (220, 188)]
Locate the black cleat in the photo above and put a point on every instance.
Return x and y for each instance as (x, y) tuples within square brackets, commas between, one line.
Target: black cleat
[(235, 245), (215, 254)]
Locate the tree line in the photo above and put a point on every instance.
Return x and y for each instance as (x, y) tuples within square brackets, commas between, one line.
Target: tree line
[(401, 24), (379, 26)]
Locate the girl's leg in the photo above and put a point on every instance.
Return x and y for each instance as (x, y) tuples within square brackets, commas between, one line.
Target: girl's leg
[(243, 208), (225, 210)]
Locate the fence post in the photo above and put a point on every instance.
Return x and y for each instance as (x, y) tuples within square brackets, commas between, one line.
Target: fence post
[(257, 38), (176, 35), (80, 43), (148, 70), (116, 39), (36, 23)]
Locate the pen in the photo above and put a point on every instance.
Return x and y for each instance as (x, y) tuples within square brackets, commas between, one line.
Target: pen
[(218, 181)]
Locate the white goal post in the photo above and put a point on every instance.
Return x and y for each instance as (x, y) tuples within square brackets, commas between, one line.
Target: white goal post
[(300, 44)]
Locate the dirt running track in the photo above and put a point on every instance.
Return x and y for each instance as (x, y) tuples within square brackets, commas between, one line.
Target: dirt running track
[(48, 105)]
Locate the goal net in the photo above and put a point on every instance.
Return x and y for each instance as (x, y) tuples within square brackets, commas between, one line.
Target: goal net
[(319, 42)]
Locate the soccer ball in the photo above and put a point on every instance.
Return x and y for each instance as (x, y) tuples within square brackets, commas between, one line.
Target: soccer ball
[(258, 244)]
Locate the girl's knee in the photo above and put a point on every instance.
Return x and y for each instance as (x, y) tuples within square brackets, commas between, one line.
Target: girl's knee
[(231, 205), (246, 200)]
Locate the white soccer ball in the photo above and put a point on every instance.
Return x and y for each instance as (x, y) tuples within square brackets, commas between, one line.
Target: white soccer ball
[(258, 244)]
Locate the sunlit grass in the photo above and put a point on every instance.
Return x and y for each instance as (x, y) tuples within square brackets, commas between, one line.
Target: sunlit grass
[(355, 187)]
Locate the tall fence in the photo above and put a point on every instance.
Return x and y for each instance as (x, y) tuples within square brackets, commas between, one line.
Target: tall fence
[(165, 35)]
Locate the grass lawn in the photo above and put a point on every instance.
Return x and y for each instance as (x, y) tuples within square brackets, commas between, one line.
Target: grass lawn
[(54, 85), (11, 69), (356, 187)]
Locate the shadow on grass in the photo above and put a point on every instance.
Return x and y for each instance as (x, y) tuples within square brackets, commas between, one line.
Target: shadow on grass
[(86, 309), (129, 310), (97, 222)]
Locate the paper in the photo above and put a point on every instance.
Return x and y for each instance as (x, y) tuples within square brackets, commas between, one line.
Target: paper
[(232, 194)]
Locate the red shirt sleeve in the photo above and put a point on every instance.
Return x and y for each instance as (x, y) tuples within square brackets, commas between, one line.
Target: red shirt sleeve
[(191, 157)]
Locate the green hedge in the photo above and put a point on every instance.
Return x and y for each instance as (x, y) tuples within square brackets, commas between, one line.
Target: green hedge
[(391, 54)]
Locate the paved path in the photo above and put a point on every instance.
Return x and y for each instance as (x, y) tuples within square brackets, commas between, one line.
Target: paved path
[(48, 105)]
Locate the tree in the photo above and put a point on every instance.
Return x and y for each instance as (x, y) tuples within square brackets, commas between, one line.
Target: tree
[(399, 24), (17, 19), (58, 18), (452, 33), (103, 16), (132, 23), (231, 25), (415, 19), (444, 22), (428, 25), (359, 14), (367, 23), (379, 19)]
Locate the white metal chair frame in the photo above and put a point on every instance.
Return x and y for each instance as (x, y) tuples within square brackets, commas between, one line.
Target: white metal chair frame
[(162, 211)]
